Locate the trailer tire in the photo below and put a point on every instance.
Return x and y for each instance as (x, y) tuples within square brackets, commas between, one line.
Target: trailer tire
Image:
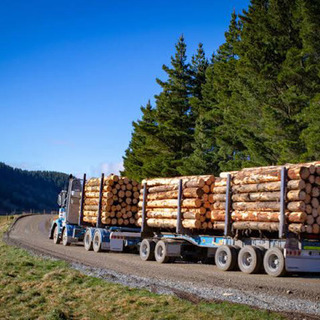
[(226, 258), (65, 240), (97, 241), (146, 250), (56, 238), (160, 252), (88, 245), (274, 262), (250, 259)]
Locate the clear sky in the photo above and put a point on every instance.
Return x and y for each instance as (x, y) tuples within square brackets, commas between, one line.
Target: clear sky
[(74, 74)]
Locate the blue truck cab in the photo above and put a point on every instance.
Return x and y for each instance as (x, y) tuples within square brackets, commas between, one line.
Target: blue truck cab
[(66, 227)]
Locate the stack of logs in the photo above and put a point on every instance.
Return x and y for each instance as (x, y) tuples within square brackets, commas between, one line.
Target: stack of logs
[(162, 202), (119, 203), (256, 198)]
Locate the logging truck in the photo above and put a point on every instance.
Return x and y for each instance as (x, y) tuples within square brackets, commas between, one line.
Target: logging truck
[(70, 226), (275, 251)]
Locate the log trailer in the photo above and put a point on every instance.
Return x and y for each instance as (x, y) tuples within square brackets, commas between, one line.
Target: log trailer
[(251, 252), (70, 227)]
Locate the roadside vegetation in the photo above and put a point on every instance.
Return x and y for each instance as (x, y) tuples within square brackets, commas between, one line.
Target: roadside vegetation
[(35, 288)]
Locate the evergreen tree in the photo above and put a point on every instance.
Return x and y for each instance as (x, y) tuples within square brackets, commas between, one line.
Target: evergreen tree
[(140, 152), (173, 114), (269, 83)]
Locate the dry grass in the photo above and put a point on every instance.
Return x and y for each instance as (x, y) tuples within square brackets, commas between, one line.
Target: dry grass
[(34, 288)]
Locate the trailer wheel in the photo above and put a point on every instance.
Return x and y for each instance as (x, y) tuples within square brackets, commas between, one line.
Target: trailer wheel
[(65, 241), (226, 258), (88, 240), (56, 238), (274, 263), (160, 252), (250, 259), (97, 241), (147, 247)]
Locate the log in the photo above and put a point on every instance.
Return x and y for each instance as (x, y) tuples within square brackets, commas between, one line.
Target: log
[(267, 216), (171, 215), (298, 173), (296, 228), (311, 178), (315, 212), (267, 226), (296, 195), (308, 198), (187, 193), (92, 194), (308, 188), (200, 210), (216, 197), (173, 203), (262, 226), (315, 192), (218, 190), (219, 205), (218, 225), (257, 196), (217, 215), (199, 180), (219, 182), (315, 203), (260, 187), (296, 206), (310, 219), (171, 223), (315, 229), (257, 206)]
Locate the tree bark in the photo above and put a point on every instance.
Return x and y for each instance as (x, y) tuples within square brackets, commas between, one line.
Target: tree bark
[(257, 206), (173, 203), (267, 216)]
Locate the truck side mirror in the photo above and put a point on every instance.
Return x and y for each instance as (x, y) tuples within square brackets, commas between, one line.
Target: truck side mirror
[(61, 198)]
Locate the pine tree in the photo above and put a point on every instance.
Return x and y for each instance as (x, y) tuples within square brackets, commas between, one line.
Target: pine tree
[(140, 151), (173, 114), (269, 89)]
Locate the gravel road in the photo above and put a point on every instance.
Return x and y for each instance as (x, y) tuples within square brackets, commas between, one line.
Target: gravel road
[(297, 295)]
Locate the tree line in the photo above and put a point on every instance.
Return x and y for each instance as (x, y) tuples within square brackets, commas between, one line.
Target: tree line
[(255, 102), (22, 190)]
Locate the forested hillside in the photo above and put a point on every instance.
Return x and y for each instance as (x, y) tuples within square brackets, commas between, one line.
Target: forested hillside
[(24, 190), (255, 102)]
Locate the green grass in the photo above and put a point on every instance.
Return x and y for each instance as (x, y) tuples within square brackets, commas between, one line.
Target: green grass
[(35, 288)]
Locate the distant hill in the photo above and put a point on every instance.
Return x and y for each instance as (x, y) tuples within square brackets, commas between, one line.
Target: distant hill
[(22, 190)]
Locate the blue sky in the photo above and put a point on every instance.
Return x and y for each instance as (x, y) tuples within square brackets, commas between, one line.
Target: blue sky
[(75, 73)]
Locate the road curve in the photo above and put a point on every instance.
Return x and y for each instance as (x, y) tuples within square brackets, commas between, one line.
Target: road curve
[(299, 293)]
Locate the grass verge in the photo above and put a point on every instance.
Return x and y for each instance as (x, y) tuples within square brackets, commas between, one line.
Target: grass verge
[(36, 288)]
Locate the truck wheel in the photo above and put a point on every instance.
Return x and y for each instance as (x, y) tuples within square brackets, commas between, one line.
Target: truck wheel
[(65, 240), (97, 241), (160, 252), (147, 250), (226, 258), (274, 263), (88, 240), (250, 259), (56, 238)]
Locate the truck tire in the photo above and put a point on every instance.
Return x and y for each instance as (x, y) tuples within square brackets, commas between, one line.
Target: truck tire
[(160, 252), (56, 238), (147, 247), (88, 240), (274, 263), (65, 240), (97, 241), (250, 259), (226, 258)]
